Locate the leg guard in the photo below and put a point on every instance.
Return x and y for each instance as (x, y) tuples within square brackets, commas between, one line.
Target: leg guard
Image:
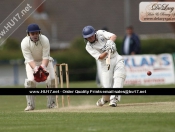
[(51, 98), (50, 83), (29, 84), (119, 79), (30, 98), (118, 83), (51, 101), (30, 101)]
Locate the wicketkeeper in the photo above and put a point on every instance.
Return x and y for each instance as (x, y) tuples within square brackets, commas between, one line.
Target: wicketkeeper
[(39, 65), (99, 44)]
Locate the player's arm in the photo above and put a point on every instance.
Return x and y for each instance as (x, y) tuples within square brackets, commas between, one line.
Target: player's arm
[(94, 53), (27, 54), (108, 35), (113, 37), (111, 43), (103, 55), (45, 63), (46, 53), (32, 64)]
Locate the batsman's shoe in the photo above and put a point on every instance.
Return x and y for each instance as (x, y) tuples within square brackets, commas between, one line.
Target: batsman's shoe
[(101, 102), (28, 108), (113, 102)]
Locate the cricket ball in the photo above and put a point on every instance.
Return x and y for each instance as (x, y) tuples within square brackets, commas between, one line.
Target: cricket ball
[(149, 73)]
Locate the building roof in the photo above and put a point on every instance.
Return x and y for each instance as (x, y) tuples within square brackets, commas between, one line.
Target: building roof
[(71, 16)]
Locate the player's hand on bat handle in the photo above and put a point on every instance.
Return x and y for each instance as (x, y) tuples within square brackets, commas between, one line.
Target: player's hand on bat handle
[(110, 49), (111, 45), (109, 42)]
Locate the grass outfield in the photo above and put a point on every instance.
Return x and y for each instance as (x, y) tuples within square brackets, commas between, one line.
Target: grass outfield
[(133, 114), (92, 84)]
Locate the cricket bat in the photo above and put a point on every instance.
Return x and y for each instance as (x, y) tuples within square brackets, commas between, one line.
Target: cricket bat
[(108, 59)]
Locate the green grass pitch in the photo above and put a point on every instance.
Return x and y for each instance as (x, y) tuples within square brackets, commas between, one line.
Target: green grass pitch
[(134, 113)]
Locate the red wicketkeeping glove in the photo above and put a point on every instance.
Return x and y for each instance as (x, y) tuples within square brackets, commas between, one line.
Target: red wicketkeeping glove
[(41, 75)]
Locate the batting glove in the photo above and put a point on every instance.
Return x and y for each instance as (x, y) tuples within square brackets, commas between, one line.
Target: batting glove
[(109, 42), (111, 46)]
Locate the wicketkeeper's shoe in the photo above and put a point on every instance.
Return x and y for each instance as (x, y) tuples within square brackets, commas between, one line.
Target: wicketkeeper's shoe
[(113, 102), (101, 102), (28, 108), (53, 106)]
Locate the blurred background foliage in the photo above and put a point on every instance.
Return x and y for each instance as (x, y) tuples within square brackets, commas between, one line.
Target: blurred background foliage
[(81, 64)]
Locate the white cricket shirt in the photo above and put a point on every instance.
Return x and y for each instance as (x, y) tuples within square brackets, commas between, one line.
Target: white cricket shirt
[(97, 48), (35, 51)]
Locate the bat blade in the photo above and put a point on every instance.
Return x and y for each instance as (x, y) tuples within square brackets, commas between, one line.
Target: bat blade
[(108, 60), (108, 66)]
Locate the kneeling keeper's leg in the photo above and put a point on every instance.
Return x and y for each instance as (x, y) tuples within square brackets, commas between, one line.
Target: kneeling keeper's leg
[(51, 98), (30, 98)]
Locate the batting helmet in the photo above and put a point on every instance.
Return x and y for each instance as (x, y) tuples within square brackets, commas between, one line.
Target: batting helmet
[(88, 31), (33, 28)]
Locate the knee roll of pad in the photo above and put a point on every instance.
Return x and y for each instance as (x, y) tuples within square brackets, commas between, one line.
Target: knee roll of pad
[(119, 79), (29, 84), (51, 83)]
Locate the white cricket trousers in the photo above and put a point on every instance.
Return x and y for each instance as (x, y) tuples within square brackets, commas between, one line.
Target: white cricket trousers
[(115, 76)]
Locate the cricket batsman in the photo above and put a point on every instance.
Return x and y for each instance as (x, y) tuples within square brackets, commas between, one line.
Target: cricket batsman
[(39, 65), (99, 45)]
